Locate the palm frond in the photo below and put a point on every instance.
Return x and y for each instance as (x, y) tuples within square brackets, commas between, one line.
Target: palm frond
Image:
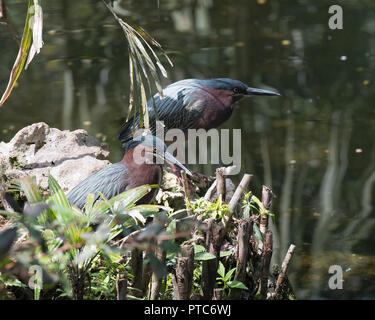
[(144, 66)]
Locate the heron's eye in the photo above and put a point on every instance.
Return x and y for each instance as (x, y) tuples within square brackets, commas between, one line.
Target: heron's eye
[(154, 150), (236, 90)]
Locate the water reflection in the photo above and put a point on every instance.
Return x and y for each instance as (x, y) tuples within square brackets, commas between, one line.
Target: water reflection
[(314, 146)]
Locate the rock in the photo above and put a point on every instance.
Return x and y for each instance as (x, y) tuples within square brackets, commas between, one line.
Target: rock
[(171, 191), (39, 150)]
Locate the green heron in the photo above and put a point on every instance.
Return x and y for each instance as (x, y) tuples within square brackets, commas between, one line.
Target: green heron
[(140, 165), (194, 104)]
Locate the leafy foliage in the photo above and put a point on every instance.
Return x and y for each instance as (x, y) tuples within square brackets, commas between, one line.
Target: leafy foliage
[(206, 209), (63, 238), (251, 205)]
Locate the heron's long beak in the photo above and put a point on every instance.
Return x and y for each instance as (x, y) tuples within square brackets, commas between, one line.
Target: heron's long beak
[(172, 160), (260, 92)]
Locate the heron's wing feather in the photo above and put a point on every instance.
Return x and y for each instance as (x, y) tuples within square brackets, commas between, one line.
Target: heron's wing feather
[(110, 181), (174, 109)]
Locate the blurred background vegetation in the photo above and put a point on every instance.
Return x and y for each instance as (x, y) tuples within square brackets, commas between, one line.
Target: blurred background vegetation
[(314, 146)]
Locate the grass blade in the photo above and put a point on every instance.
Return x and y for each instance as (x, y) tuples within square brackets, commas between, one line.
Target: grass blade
[(31, 190), (57, 194)]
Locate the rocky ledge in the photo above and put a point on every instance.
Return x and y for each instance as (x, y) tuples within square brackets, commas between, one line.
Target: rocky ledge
[(39, 150)]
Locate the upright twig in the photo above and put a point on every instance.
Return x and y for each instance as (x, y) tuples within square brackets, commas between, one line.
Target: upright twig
[(121, 286), (226, 172), (239, 191), (266, 261), (242, 256), (218, 294), (267, 197), (146, 276), (220, 186), (214, 239), (156, 282), (183, 276), (284, 269), (186, 191), (137, 267)]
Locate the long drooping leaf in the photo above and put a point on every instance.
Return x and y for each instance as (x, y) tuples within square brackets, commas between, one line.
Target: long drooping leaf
[(32, 33), (37, 27)]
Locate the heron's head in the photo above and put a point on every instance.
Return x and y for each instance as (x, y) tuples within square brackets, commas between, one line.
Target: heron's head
[(236, 88), (150, 149)]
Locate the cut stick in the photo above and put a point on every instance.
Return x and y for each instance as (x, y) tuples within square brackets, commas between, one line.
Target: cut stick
[(186, 191), (266, 261), (155, 281), (242, 256), (284, 268), (236, 197), (226, 172), (183, 277), (267, 197), (121, 286), (220, 186)]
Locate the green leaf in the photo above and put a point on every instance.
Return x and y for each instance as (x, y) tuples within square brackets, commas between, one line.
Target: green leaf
[(148, 210), (237, 285), (273, 217), (258, 235), (171, 229), (246, 212), (204, 256), (89, 203), (198, 248), (68, 215), (225, 253), (127, 198), (57, 194), (229, 275), (221, 270)]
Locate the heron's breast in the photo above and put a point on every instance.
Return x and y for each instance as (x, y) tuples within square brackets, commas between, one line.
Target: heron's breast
[(215, 108)]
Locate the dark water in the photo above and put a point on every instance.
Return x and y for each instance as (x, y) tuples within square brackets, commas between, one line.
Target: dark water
[(314, 146)]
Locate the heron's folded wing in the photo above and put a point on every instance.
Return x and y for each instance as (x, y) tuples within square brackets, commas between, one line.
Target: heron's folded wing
[(110, 181)]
